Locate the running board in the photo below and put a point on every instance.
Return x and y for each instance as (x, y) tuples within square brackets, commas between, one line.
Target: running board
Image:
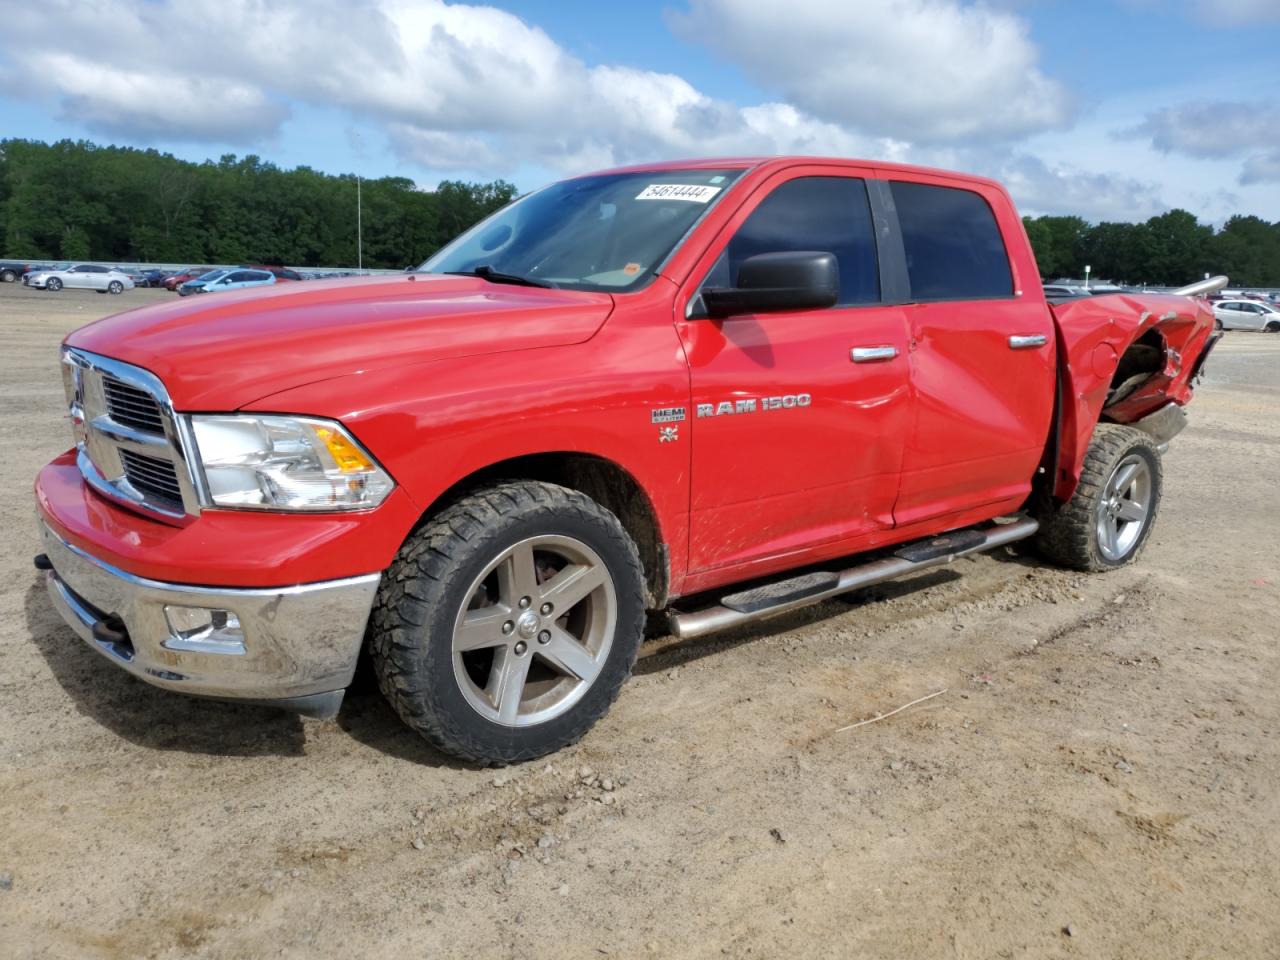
[(774, 599)]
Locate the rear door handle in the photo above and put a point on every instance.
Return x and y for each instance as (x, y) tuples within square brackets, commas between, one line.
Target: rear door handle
[(872, 354), (1028, 342)]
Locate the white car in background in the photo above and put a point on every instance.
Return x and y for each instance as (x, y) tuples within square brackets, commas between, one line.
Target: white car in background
[(81, 276), (1247, 315)]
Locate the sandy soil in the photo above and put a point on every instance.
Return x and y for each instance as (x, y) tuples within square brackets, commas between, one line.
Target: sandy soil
[(1099, 780)]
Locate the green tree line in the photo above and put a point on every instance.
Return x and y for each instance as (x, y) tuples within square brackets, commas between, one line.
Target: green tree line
[(1172, 249), (75, 200)]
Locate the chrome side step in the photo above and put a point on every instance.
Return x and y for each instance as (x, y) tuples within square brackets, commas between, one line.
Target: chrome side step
[(698, 623)]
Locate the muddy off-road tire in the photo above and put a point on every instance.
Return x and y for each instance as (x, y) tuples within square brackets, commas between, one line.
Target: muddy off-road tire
[(1107, 521), (508, 623)]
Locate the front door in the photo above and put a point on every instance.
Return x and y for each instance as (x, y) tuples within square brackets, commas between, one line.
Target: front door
[(797, 442)]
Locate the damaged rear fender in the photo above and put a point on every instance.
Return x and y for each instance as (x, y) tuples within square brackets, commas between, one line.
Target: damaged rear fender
[(1124, 358)]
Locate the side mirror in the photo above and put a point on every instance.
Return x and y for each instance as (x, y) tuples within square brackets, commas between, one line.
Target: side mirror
[(774, 282)]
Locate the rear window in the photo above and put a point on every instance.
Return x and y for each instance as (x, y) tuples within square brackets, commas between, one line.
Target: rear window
[(953, 246)]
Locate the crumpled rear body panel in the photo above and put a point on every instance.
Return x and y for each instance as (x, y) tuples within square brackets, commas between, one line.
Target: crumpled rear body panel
[(1094, 334)]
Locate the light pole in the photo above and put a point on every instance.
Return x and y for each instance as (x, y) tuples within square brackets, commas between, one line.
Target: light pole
[(359, 228)]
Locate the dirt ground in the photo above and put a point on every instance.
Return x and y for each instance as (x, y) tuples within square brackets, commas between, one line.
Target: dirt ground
[(1101, 777)]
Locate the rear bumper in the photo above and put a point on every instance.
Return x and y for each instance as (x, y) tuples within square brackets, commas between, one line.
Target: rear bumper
[(298, 645)]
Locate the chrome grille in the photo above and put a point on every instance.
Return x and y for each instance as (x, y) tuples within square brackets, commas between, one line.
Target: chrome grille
[(131, 406), (152, 476), (130, 443)]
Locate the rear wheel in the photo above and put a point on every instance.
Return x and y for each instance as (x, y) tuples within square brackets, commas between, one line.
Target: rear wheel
[(115, 286), (54, 284), (8, 276), (507, 624), (1109, 517), (1217, 325)]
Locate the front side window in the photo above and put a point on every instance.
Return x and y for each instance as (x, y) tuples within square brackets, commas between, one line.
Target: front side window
[(826, 214), (953, 246), (606, 233)]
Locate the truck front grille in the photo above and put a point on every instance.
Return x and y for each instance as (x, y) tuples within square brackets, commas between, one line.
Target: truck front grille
[(129, 441), (131, 406), (152, 476)]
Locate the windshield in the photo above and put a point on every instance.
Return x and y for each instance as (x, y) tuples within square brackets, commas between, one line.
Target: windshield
[(608, 232), (212, 275)]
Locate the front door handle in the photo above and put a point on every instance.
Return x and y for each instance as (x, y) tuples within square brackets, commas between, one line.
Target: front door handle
[(1027, 342), (872, 354)]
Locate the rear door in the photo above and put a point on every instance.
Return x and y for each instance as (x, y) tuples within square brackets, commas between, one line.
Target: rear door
[(795, 444), (982, 348)]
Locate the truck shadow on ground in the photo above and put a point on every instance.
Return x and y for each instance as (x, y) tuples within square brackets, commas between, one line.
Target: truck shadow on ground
[(148, 716), (162, 720), (367, 718)]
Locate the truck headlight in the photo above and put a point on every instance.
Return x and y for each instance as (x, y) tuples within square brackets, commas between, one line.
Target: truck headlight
[(286, 463)]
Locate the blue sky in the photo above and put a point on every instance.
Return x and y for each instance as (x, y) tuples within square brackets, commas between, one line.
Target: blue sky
[(1110, 110)]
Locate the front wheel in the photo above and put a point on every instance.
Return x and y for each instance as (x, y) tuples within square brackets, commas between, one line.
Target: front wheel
[(1108, 519), (507, 625), (8, 276), (54, 284), (1273, 327)]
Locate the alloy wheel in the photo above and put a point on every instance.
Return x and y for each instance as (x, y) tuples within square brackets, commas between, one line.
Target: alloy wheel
[(535, 632), (1124, 508)]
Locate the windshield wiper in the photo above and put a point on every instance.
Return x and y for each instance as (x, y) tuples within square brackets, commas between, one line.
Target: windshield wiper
[(486, 272)]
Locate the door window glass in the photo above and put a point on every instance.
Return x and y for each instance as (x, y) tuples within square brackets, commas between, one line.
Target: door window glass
[(827, 214), (954, 249)]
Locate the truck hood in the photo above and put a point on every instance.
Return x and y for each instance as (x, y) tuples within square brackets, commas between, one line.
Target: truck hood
[(220, 353)]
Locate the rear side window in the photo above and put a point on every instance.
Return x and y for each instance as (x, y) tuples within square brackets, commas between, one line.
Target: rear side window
[(953, 246), (828, 214)]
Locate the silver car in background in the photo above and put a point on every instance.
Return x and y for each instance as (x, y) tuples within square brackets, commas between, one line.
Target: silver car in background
[(81, 276)]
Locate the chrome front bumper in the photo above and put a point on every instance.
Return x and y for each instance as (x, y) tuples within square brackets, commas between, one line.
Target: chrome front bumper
[(299, 644)]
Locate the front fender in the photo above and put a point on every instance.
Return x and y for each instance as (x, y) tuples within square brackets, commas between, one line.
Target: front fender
[(434, 424)]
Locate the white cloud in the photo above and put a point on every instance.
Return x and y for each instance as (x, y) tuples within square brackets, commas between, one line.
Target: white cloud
[(1218, 130), (1210, 129), (473, 89), (455, 86), (1261, 168), (922, 70)]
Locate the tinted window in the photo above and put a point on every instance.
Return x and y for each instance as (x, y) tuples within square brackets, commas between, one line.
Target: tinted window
[(830, 214), (953, 246)]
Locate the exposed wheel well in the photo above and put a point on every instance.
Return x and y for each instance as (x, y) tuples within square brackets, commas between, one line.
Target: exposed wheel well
[(1144, 358), (604, 482)]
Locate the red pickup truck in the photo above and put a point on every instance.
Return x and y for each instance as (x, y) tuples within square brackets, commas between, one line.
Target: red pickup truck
[(717, 389)]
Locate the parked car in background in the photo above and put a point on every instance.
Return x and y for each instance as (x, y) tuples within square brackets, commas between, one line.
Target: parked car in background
[(1244, 314), (139, 277), (216, 281), (151, 278), (178, 278), (41, 268), (11, 271), (81, 276), (280, 273)]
